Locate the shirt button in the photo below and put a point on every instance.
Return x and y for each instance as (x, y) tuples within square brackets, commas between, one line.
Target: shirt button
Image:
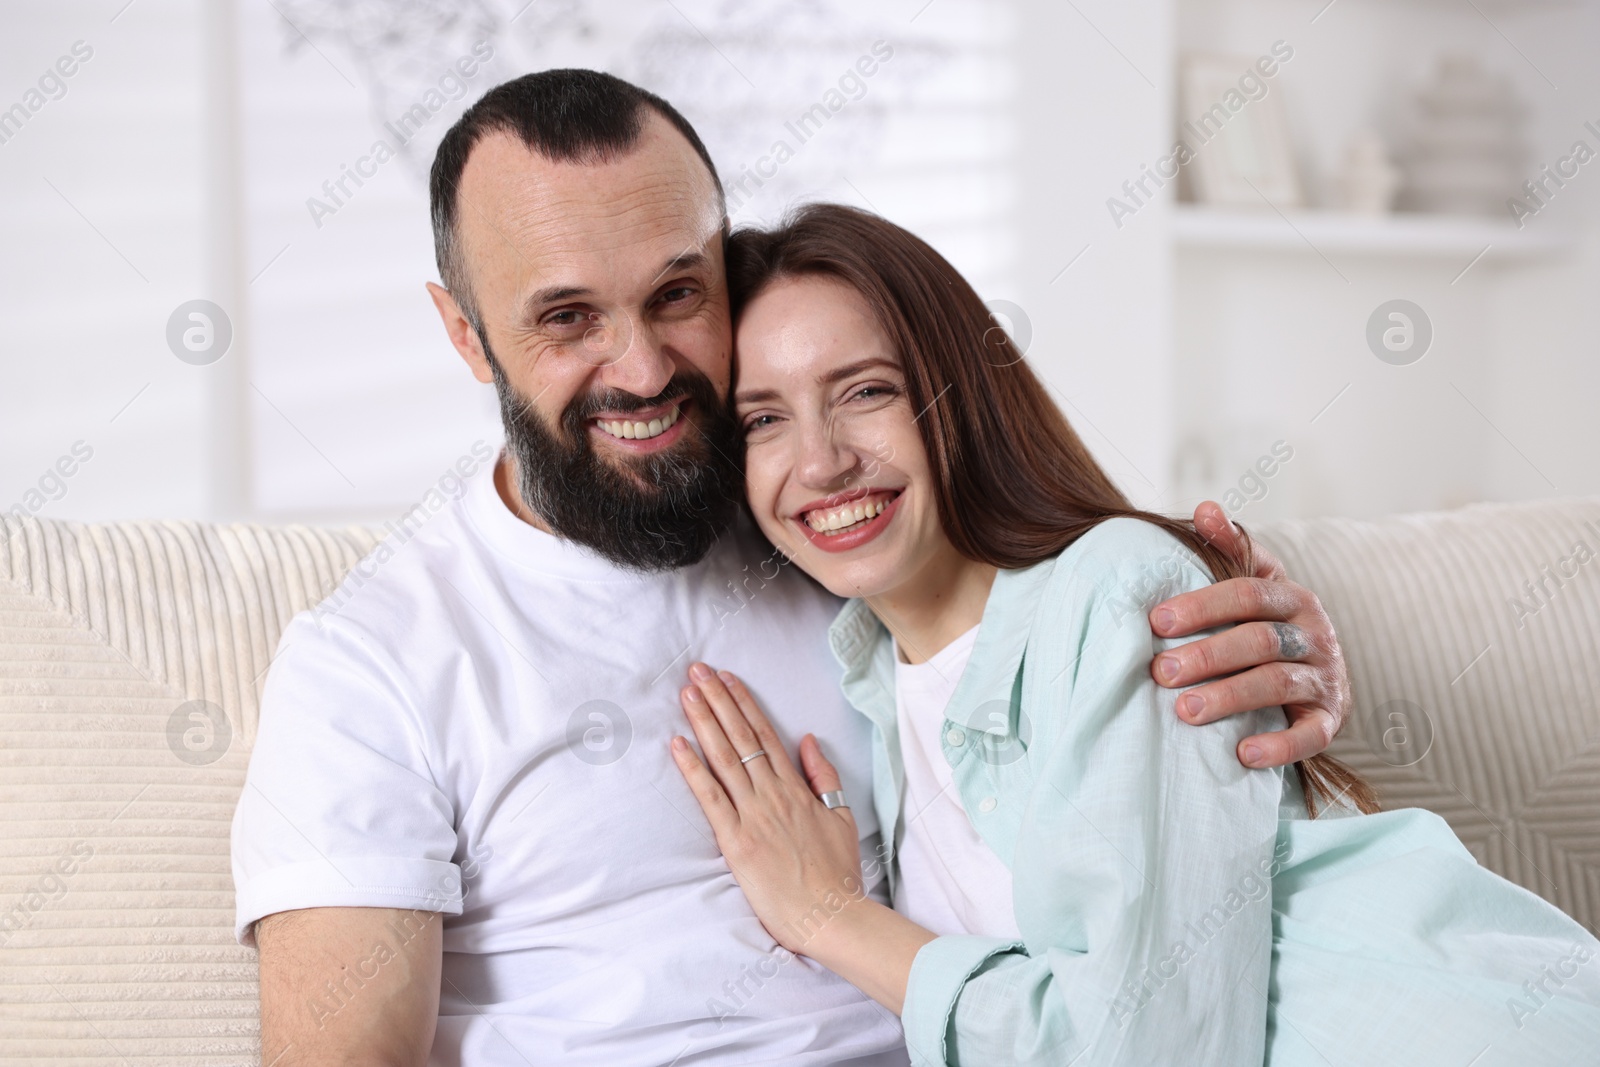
[(956, 737), (987, 804)]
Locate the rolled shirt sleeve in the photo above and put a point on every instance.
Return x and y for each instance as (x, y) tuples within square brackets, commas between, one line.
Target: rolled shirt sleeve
[(340, 807), (1142, 867)]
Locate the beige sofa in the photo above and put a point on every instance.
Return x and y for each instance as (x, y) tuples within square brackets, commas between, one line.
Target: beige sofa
[(132, 656)]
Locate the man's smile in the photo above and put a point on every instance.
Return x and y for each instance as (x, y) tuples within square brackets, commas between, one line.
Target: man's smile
[(657, 425)]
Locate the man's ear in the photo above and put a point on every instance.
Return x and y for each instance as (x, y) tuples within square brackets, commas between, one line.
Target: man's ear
[(462, 335)]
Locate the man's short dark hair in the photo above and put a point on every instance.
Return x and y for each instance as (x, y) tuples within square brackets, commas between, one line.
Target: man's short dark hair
[(567, 116)]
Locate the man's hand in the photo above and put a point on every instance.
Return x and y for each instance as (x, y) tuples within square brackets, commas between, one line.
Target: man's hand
[(349, 986), (1284, 638)]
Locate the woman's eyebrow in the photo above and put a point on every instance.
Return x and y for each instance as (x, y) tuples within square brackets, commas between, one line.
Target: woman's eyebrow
[(839, 374), (755, 396), (833, 377)]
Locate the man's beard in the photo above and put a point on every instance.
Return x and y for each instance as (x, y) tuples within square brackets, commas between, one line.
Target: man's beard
[(653, 512)]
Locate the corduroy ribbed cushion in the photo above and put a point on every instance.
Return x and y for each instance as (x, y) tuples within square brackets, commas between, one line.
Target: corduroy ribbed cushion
[(114, 803), (117, 642)]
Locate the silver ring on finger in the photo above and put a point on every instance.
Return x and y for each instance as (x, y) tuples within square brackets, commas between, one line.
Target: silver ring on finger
[(834, 799), (753, 755)]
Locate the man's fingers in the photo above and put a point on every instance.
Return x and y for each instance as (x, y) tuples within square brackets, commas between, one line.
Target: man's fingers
[(1213, 524), (1263, 564), (1269, 685), (1246, 645), (1306, 736), (720, 812), (1234, 600), (1234, 541)]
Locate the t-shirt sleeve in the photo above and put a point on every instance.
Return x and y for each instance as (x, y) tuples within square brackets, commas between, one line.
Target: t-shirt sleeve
[(340, 807)]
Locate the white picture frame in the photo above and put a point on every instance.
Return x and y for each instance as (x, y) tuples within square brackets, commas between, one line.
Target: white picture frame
[(1241, 153)]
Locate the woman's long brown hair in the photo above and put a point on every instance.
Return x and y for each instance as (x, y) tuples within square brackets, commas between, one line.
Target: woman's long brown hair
[(1014, 484)]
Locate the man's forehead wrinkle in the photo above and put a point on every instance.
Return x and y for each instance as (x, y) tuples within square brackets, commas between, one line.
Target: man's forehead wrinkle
[(604, 230), (560, 248), (649, 193)]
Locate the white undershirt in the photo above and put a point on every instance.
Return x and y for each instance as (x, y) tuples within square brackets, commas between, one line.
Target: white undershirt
[(950, 881), (477, 724)]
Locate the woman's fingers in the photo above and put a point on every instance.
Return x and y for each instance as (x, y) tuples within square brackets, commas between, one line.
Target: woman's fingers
[(766, 736), (822, 775), (720, 812), (734, 724), (819, 772), (714, 742)]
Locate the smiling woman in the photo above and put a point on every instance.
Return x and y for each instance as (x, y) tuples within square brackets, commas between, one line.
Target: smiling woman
[(902, 453), (900, 359)]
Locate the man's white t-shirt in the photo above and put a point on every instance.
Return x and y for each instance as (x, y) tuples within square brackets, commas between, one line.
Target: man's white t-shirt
[(951, 882), (477, 724)]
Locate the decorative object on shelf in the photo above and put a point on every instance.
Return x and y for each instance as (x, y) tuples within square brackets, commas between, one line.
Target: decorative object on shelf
[(1237, 135), (1468, 151), (1368, 181)]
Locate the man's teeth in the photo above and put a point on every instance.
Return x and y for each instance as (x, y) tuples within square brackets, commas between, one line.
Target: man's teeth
[(640, 431), (842, 518)]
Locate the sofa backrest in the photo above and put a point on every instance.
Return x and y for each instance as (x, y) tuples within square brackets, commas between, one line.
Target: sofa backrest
[(1473, 641), (132, 657)]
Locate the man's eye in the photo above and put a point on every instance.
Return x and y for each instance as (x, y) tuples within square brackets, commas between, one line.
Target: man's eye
[(672, 296), (564, 318)]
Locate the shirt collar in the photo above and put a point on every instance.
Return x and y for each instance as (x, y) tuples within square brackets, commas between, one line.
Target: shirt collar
[(856, 635), (989, 682)]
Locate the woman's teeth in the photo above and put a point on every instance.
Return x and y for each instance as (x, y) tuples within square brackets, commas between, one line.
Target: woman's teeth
[(639, 431), (837, 519)]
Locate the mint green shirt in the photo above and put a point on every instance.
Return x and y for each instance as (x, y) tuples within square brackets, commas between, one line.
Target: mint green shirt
[(1174, 906)]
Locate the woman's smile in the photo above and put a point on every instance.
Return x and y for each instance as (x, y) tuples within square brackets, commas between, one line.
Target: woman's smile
[(844, 521)]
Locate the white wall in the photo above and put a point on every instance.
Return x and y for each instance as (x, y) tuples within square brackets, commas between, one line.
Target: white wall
[(89, 274), (1499, 408), (1094, 104), (1544, 322)]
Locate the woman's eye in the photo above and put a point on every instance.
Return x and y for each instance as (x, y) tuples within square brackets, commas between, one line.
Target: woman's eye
[(873, 392), (759, 422)]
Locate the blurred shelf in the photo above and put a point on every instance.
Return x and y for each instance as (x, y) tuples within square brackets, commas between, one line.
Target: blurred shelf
[(1509, 7), (1399, 235)]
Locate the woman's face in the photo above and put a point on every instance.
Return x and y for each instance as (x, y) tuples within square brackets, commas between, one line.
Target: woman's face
[(835, 469)]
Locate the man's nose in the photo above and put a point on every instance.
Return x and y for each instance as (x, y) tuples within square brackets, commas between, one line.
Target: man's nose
[(631, 357)]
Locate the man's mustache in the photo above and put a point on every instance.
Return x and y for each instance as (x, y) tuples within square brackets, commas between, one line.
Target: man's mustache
[(620, 400)]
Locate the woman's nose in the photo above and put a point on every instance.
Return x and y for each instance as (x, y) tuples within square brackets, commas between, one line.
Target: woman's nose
[(825, 459)]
